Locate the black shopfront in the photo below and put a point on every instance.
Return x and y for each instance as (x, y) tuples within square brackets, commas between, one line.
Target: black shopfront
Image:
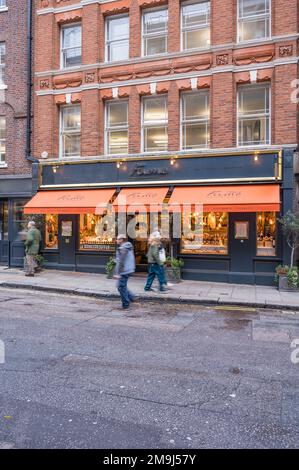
[(15, 192), (239, 247)]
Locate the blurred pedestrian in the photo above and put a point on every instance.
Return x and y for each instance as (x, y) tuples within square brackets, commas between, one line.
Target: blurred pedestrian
[(125, 267), (32, 247)]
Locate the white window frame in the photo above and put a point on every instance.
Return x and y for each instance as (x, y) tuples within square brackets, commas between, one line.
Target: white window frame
[(239, 20), (3, 6), (62, 49), (143, 36), (269, 115), (107, 20), (3, 162), (115, 128), (2, 64), (152, 124), (186, 3), (194, 121), (61, 133)]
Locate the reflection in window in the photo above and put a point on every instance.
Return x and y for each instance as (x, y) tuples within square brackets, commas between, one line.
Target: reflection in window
[(254, 19), (71, 48), (116, 127), (96, 235), (3, 220), (155, 124), (155, 31), (266, 233), (117, 38), (71, 131), (51, 232), (210, 238), (196, 25), (195, 125), (254, 115)]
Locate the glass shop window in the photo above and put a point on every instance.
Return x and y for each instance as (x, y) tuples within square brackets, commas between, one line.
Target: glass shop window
[(51, 232), (209, 238), (95, 235), (266, 233), (3, 220)]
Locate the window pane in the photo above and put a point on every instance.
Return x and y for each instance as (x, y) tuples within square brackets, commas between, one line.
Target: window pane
[(71, 46), (155, 21), (155, 45), (117, 142), (71, 145), (195, 136), (72, 36), (210, 238), (51, 231), (196, 105), (2, 127), (254, 131), (118, 113), (155, 109), (253, 7), (197, 38), (266, 233), (196, 14), (155, 138), (71, 118), (118, 51), (2, 139), (118, 28), (255, 29), (254, 100), (96, 235)]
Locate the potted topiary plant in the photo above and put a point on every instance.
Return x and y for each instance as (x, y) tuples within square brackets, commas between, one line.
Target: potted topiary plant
[(110, 266), (287, 277), (173, 269)]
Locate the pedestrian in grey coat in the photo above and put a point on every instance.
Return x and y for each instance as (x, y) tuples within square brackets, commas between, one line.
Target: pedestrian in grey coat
[(125, 267)]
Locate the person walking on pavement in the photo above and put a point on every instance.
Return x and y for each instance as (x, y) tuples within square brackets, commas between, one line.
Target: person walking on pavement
[(32, 246), (155, 263), (125, 267)]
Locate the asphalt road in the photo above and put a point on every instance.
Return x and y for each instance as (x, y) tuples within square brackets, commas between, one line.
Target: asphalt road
[(80, 374)]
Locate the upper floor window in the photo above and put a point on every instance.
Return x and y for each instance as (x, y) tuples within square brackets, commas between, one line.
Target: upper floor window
[(195, 120), (155, 32), (2, 62), (2, 139), (117, 38), (195, 24), (70, 131), (2, 3), (155, 124), (116, 127), (71, 46), (254, 115), (253, 19)]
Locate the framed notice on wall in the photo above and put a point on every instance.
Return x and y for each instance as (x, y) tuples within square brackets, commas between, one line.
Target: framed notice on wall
[(241, 230), (66, 228)]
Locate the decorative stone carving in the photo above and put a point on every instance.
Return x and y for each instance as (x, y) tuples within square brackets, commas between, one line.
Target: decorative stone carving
[(64, 81), (44, 83), (254, 55), (286, 51), (89, 77), (44, 3), (222, 59)]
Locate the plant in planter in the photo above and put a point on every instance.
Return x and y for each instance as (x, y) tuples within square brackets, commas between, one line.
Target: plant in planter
[(110, 266), (287, 277), (173, 268)]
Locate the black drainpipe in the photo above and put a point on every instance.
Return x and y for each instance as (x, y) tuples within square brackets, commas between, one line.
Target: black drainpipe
[(29, 83)]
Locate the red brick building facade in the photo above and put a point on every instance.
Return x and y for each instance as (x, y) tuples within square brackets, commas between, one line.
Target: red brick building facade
[(225, 72), (15, 169)]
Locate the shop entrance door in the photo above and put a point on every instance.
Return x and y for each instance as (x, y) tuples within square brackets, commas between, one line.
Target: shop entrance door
[(242, 236), (67, 241)]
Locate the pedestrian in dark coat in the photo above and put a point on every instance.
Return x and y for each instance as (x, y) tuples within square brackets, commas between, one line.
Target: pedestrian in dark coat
[(125, 267)]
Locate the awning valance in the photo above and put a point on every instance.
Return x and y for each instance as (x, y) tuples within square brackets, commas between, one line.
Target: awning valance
[(246, 198), (69, 202), (139, 199)]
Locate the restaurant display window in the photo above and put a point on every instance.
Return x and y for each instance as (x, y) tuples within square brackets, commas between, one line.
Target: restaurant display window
[(266, 233), (51, 232), (96, 234), (210, 237)]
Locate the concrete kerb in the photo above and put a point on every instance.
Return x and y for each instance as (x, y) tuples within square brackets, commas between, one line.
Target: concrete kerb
[(149, 298)]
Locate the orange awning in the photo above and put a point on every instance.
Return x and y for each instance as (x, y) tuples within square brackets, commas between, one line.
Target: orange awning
[(137, 199), (244, 198), (69, 202)]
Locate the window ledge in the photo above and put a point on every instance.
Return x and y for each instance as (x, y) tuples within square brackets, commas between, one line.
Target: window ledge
[(3, 165), (3, 86), (4, 8)]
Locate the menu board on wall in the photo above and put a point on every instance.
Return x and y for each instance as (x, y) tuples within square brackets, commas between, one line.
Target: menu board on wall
[(66, 228), (242, 230)]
